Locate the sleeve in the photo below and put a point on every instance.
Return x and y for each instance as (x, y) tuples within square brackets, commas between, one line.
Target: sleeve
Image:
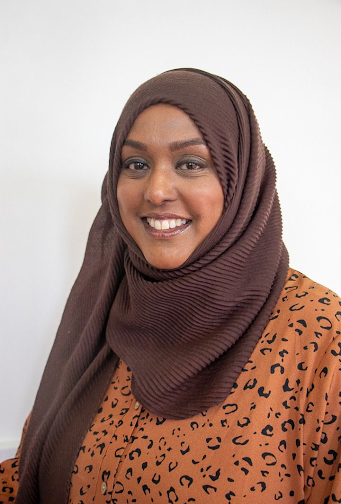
[(9, 473), (323, 445)]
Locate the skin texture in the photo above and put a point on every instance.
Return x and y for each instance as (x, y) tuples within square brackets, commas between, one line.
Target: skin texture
[(168, 174)]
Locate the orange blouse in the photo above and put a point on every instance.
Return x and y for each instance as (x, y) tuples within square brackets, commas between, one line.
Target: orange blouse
[(277, 436)]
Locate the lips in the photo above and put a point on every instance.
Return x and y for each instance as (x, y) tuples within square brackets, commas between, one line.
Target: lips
[(165, 224)]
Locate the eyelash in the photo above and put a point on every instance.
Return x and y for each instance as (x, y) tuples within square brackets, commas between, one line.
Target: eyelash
[(128, 163), (197, 164)]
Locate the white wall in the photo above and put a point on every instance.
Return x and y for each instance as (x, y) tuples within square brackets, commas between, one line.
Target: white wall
[(67, 68)]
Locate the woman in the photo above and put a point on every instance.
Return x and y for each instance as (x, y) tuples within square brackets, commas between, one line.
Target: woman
[(190, 362)]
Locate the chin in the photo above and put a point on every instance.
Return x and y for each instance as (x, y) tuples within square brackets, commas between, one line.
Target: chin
[(165, 263)]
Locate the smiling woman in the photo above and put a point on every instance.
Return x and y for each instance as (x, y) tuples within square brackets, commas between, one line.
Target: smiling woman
[(191, 361), (169, 194)]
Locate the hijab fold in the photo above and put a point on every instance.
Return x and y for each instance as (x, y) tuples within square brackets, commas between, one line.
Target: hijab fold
[(185, 333)]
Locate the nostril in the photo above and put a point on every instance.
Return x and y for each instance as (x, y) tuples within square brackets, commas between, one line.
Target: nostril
[(160, 192)]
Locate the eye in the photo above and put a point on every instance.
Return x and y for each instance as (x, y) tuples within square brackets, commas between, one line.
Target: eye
[(192, 164), (135, 165)]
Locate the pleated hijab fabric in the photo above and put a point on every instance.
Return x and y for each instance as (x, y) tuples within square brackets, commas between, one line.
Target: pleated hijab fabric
[(185, 333)]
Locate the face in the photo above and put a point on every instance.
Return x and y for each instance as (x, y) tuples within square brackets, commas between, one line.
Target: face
[(168, 191)]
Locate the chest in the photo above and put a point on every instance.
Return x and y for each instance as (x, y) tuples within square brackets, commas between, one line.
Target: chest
[(248, 448)]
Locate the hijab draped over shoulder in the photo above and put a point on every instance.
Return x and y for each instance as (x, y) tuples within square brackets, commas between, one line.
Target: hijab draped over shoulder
[(185, 333)]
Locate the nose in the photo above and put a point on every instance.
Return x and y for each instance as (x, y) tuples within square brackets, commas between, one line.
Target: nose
[(160, 186)]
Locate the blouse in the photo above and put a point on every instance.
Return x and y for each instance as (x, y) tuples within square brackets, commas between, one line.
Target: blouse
[(276, 437)]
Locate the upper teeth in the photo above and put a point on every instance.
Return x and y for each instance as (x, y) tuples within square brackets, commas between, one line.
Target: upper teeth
[(165, 223)]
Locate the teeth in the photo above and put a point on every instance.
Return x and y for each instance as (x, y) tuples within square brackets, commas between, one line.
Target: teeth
[(165, 224)]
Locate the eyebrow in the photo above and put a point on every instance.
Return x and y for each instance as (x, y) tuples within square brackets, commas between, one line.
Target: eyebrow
[(173, 146)]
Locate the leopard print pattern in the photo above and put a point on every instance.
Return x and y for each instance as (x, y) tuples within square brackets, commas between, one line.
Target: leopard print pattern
[(276, 437)]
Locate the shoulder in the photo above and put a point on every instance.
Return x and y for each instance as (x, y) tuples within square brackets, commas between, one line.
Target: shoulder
[(310, 304), (299, 286), (307, 322)]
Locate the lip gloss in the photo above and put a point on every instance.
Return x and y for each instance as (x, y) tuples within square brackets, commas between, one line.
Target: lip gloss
[(165, 233)]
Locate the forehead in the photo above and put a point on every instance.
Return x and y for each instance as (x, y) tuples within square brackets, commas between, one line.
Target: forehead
[(163, 121)]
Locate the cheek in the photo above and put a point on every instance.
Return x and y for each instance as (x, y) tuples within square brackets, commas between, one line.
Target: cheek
[(209, 204), (126, 199), (125, 193)]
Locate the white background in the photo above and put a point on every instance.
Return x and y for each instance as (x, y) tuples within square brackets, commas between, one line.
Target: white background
[(67, 68)]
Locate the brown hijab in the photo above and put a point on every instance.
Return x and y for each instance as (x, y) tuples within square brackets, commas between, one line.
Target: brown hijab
[(222, 295)]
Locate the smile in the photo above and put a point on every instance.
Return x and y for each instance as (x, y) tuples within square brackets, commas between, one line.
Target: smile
[(165, 224)]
